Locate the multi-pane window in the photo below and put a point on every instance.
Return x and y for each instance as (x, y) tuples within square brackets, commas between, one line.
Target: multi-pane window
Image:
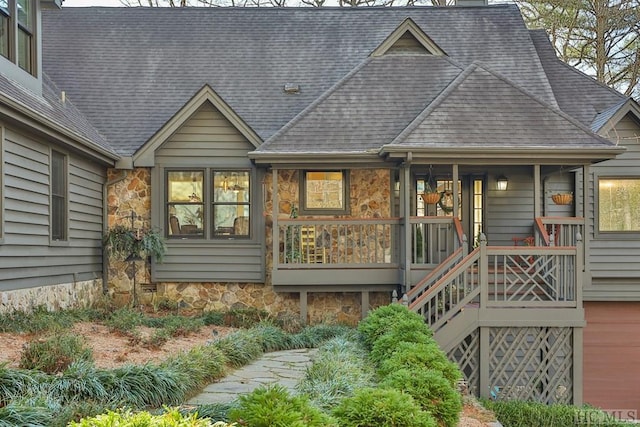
[(17, 38), (208, 202), (5, 28), (619, 199), (58, 196), (324, 192), (25, 34)]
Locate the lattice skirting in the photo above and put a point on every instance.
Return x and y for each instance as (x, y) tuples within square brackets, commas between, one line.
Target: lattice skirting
[(534, 363)]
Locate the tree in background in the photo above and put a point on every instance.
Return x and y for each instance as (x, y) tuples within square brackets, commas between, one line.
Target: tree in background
[(599, 37), (283, 3)]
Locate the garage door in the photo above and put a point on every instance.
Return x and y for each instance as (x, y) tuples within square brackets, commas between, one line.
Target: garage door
[(612, 355)]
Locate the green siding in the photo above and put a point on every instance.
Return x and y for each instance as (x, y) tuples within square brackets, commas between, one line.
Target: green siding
[(27, 259), (208, 140)]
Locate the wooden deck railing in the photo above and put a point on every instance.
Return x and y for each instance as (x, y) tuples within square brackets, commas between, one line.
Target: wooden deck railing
[(505, 276), (434, 238), (561, 231)]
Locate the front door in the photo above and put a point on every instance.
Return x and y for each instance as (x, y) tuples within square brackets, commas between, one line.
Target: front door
[(471, 197)]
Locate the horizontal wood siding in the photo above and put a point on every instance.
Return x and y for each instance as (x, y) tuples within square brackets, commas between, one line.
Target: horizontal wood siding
[(611, 348), (615, 257), (509, 213), (208, 140), (27, 259)]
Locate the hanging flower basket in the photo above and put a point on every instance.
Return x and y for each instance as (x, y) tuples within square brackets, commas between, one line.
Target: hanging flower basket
[(562, 198), (431, 198)]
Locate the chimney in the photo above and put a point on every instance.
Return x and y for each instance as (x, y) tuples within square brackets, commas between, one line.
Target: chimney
[(472, 2)]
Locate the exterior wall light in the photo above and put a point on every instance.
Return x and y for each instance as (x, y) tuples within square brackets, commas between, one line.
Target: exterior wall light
[(502, 183)]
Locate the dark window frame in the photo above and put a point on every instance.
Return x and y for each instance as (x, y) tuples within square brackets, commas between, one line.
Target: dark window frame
[(208, 204), (59, 197), (306, 210)]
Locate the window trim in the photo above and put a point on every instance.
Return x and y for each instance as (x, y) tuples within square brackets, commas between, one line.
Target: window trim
[(15, 28), (621, 235), (304, 210), (208, 235), (65, 175), (2, 171)]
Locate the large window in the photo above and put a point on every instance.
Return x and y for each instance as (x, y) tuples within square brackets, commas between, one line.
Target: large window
[(324, 192), (58, 196), (208, 202), (619, 204), (17, 38)]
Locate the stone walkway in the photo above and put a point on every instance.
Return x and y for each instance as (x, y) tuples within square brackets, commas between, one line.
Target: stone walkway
[(283, 367)]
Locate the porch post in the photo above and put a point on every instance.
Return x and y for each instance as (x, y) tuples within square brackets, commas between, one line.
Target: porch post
[(275, 229), (405, 202), (456, 201), (586, 180), (537, 199), (578, 366)]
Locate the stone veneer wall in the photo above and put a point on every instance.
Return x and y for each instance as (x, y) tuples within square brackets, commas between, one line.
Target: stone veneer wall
[(369, 198), (54, 297)]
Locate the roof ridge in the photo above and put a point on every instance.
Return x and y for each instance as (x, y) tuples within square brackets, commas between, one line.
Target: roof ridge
[(434, 103), (307, 110)]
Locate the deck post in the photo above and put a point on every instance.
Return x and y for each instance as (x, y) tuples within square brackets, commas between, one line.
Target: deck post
[(275, 228), (578, 366), (365, 303), (405, 201), (484, 363), (484, 272), (303, 307)]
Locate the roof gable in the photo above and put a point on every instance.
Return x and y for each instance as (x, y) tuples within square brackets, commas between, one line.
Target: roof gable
[(608, 119), (408, 37), (145, 156)]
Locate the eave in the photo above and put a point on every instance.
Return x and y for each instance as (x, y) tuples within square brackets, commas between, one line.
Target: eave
[(308, 158), (500, 155), (27, 117)]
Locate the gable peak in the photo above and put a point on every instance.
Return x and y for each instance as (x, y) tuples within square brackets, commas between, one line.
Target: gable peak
[(408, 37)]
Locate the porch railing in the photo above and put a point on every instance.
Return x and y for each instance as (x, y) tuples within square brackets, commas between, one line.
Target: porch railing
[(336, 243), (434, 238), (560, 231), (497, 277)]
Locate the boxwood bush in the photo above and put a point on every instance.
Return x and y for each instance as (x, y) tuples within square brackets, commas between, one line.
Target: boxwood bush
[(383, 318)]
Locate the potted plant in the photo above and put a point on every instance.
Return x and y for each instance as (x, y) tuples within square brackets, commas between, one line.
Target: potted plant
[(562, 198), (126, 243)]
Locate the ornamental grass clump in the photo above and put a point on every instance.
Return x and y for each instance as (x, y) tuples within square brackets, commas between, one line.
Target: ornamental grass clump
[(381, 407), (13, 415), (274, 406), (55, 353), (240, 347), (340, 367)]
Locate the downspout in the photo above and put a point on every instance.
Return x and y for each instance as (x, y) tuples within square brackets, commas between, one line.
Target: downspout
[(105, 227)]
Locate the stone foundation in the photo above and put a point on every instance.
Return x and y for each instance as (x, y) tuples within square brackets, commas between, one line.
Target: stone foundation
[(53, 297), (331, 307)]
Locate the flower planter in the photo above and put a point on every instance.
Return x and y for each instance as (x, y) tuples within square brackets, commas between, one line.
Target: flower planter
[(430, 198), (562, 198)]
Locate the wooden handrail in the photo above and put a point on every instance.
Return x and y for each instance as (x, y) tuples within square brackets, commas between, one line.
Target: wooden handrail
[(459, 231), (543, 231), (428, 281)]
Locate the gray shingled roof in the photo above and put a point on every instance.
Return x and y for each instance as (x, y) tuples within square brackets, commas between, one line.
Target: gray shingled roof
[(483, 109), (129, 70), (49, 108), (578, 95), (369, 108)]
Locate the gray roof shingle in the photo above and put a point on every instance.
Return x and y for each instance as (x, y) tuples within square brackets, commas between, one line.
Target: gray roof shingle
[(578, 95), (50, 108), (483, 109), (129, 70)]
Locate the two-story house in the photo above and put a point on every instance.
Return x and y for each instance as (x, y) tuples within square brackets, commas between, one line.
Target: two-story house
[(323, 161)]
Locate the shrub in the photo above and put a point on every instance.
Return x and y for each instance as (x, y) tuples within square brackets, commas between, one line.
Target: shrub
[(171, 418), (404, 330), (313, 336), (416, 356), (381, 408), (273, 406), (54, 354), (174, 326), (213, 318), (41, 320), (430, 390), (383, 318)]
